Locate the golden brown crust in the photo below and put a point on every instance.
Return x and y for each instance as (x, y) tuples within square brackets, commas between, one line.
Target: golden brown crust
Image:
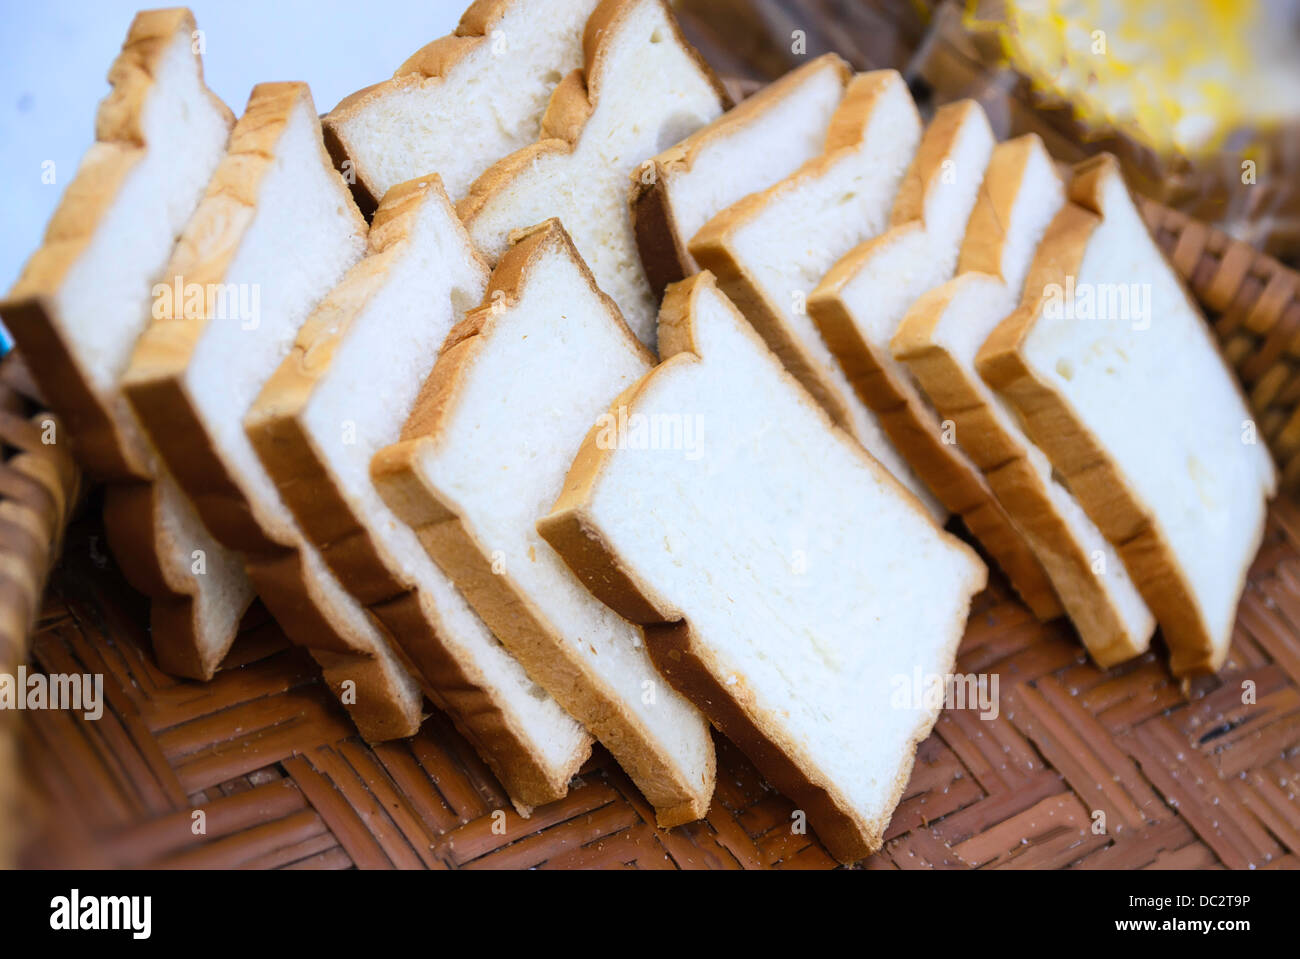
[(102, 447), (165, 408), (665, 256), (1003, 458), (507, 610), (910, 426), (1013, 478), (917, 435), (459, 694), (502, 173), (433, 61), (674, 647), (982, 250), (577, 539), (274, 423), (838, 326), (364, 687), (155, 382), (713, 248), (605, 21), (927, 166), (156, 386), (573, 102), (132, 530), (1093, 477), (568, 109), (281, 579), (665, 253), (275, 427)]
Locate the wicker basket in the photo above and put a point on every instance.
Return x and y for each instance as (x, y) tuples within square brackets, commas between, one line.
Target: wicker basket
[(1184, 778)]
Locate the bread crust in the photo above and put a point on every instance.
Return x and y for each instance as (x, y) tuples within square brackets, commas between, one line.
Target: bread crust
[(713, 249), (927, 166), (665, 253), (155, 382), (573, 102), (458, 692), (984, 246), (506, 609), (133, 529), (432, 62), (1003, 460), (1093, 476), (375, 707), (157, 389), (102, 447), (378, 705), (1014, 479), (676, 649), (276, 427), (911, 427), (870, 378)]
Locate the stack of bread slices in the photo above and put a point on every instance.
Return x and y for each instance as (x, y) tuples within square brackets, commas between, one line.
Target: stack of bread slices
[(541, 384)]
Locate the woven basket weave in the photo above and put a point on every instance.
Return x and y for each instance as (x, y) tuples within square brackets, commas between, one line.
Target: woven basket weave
[(38, 489), (1183, 778)]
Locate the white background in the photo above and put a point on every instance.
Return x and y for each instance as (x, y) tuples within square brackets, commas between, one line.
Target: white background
[(55, 54)]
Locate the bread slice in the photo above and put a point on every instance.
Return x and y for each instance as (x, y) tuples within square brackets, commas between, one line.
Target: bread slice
[(788, 603), (342, 395), (643, 88), (938, 340), (275, 231), (485, 452), (769, 250), (83, 300), (463, 101), (860, 302), (198, 589), (1128, 396), (758, 143)]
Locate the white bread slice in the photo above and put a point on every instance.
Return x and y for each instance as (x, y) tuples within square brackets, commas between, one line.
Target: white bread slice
[(860, 301), (485, 452), (769, 250), (83, 300), (462, 102), (278, 221), (643, 88), (159, 135), (760, 142), (1138, 412), (795, 656), (341, 396), (938, 340)]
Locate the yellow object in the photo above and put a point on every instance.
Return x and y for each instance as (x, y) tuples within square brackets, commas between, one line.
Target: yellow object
[(1177, 75)]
